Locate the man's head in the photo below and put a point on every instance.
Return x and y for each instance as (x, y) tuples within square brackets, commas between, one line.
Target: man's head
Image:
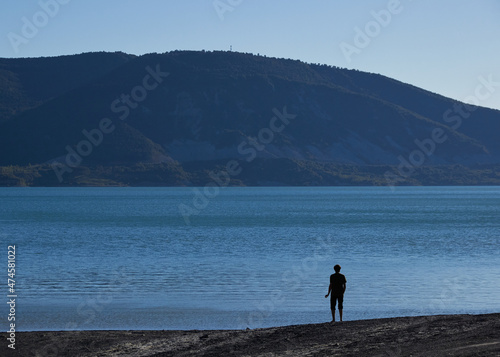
[(336, 268)]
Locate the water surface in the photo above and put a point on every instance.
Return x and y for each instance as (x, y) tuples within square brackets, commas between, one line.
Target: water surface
[(124, 258)]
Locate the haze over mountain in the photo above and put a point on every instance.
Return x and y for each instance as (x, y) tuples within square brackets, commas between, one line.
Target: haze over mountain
[(179, 118)]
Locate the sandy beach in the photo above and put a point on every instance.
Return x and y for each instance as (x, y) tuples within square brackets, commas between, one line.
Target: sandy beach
[(443, 335)]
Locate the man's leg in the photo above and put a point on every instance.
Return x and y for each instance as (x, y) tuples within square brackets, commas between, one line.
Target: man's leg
[(333, 302), (341, 305)]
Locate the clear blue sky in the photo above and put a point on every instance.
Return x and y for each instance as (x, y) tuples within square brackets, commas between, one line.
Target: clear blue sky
[(440, 45)]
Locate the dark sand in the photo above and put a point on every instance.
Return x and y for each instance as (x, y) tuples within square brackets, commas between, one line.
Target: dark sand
[(450, 335)]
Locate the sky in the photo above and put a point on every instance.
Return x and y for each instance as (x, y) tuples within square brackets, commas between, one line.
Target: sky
[(450, 47)]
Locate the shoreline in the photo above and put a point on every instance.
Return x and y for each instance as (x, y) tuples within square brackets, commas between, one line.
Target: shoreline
[(436, 335)]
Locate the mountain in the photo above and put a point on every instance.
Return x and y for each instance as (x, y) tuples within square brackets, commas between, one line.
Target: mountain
[(185, 117), (26, 83)]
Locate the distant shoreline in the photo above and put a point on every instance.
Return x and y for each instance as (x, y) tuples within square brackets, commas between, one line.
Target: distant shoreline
[(439, 335), (260, 173)]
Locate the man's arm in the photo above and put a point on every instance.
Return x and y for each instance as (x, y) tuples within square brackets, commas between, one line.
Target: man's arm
[(345, 287), (329, 290)]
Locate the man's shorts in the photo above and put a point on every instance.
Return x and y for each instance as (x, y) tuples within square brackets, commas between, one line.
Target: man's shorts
[(333, 302)]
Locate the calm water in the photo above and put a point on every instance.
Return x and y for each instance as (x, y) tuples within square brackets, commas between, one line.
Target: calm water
[(124, 258)]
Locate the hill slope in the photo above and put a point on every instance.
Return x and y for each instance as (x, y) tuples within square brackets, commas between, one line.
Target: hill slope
[(199, 110)]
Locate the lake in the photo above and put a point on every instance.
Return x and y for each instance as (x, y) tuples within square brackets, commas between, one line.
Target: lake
[(126, 258)]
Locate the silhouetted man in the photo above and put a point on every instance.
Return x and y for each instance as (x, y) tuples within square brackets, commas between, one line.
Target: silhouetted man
[(337, 288)]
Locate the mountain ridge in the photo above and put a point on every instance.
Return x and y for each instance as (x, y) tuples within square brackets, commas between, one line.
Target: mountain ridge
[(210, 103)]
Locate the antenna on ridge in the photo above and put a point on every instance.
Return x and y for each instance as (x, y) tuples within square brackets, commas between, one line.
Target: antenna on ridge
[(231, 48)]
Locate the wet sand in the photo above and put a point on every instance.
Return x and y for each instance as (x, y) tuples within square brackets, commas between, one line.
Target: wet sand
[(444, 335)]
